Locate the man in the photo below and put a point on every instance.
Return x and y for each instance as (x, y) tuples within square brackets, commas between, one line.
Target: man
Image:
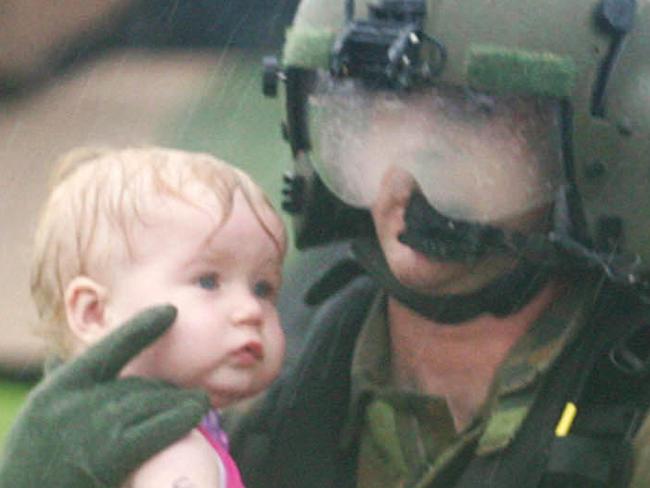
[(483, 140), (486, 161)]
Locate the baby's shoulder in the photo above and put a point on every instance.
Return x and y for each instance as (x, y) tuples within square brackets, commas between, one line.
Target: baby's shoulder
[(191, 462)]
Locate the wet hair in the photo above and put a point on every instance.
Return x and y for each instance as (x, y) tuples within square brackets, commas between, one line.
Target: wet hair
[(97, 194)]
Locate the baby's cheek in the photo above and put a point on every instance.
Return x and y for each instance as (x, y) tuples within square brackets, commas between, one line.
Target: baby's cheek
[(147, 364), (276, 361)]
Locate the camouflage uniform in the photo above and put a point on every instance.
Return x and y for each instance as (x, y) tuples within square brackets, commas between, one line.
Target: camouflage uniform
[(400, 438)]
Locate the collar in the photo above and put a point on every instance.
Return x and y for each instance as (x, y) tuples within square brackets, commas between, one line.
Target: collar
[(531, 357), (370, 366)]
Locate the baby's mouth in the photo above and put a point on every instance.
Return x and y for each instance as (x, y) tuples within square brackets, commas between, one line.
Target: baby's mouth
[(250, 353), (255, 349)]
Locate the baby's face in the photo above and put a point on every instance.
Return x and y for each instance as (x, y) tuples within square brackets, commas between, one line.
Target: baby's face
[(227, 338)]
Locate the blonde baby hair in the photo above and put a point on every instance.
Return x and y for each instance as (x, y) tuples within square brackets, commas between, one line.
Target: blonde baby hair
[(96, 194)]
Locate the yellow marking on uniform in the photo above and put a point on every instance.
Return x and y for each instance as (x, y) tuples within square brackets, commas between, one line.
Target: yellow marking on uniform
[(566, 420)]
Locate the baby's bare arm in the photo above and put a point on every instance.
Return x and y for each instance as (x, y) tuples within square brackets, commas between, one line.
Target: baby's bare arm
[(189, 463)]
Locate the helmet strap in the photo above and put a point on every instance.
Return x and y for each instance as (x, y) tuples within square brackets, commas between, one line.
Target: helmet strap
[(449, 240), (502, 297)]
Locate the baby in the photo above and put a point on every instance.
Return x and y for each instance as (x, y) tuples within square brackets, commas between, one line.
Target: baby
[(123, 230)]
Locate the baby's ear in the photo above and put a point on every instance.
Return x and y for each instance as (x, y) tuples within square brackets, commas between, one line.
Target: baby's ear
[(85, 309)]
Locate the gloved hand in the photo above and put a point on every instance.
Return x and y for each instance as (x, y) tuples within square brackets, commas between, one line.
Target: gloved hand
[(82, 427)]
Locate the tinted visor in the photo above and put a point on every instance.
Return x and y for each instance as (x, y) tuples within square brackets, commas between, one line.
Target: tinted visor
[(475, 157)]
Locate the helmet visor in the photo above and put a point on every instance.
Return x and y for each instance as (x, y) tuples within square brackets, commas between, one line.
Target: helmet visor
[(475, 157)]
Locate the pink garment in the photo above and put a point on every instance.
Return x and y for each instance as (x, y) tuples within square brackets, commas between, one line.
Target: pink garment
[(211, 429)]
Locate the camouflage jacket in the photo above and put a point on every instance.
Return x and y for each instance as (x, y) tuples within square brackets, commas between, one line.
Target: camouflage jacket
[(335, 420)]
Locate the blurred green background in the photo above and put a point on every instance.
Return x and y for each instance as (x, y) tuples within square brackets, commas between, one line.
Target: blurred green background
[(12, 395), (236, 122)]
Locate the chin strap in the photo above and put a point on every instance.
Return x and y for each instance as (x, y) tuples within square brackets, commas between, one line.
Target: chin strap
[(449, 240), (502, 297), (443, 240)]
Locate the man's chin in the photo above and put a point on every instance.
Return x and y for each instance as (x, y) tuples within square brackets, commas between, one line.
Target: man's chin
[(419, 272)]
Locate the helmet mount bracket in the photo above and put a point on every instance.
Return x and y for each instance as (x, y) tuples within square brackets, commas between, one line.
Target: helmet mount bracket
[(387, 49)]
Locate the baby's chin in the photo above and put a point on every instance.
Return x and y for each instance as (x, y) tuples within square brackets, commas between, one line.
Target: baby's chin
[(238, 403), (232, 399), (233, 395)]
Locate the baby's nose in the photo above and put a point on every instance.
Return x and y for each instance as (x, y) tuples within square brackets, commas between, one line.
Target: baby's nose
[(246, 310)]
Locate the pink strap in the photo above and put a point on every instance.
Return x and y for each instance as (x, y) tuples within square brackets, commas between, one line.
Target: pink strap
[(233, 477)]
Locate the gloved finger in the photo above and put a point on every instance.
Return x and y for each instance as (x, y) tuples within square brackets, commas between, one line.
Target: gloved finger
[(134, 409), (105, 360), (144, 439)]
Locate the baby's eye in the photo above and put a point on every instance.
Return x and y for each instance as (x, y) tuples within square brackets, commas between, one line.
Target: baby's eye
[(264, 289), (208, 281)]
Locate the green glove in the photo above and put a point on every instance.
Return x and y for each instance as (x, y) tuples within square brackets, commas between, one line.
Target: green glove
[(81, 427)]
